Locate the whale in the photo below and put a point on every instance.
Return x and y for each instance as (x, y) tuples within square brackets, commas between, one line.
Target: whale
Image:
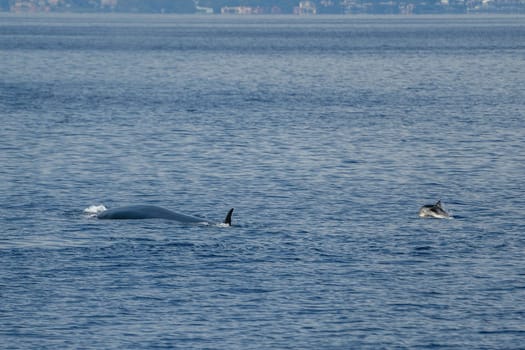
[(433, 211), (135, 212)]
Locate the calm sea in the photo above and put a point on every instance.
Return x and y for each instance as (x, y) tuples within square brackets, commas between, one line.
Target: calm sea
[(326, 134)]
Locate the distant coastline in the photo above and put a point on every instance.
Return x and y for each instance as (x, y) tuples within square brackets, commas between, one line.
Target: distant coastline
[(267, 7)]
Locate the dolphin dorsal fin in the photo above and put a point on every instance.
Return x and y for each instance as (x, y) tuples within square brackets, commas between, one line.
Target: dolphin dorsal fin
[(438, 204), (228, 219)]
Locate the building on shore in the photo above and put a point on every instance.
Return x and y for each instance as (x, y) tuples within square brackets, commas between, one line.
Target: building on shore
[(305, 8), (241, 10)]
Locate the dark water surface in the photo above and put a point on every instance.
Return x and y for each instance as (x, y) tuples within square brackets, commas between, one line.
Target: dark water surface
[(326, 134)]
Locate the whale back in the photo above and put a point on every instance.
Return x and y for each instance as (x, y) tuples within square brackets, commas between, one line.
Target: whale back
[(146, 212), (153, 212)]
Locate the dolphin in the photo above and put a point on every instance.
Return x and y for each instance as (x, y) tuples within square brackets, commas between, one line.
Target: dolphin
[(154, 212), (433, 211)]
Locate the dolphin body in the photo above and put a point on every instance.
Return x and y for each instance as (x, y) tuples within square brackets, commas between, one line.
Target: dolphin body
[(154, 212), (433, 211)]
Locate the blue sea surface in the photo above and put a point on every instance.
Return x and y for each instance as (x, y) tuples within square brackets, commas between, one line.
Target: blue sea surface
[(325, 133)]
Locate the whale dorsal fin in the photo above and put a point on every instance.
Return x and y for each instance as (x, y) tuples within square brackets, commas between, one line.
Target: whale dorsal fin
[(228, 219)]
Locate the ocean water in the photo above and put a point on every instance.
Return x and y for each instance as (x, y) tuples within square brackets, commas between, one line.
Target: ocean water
[(326, 134)]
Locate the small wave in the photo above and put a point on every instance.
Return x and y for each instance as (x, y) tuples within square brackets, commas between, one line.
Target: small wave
[(94, 210)]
